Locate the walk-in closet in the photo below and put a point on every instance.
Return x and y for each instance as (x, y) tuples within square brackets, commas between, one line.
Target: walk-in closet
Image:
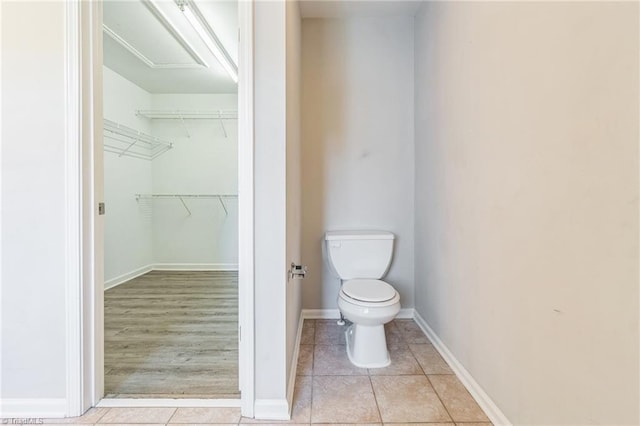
[(171, 206)]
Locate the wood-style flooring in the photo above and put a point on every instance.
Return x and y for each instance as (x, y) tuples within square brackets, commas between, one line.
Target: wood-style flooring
[(172, 334)]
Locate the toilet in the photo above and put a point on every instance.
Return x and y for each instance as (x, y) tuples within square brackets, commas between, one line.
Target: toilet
[(360, 259)]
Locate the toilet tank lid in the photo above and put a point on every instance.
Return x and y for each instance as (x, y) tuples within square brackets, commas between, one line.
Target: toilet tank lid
[(358, 235)]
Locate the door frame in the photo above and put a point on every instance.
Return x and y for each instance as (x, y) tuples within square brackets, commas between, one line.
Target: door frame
[(84, 249), (246, 238)]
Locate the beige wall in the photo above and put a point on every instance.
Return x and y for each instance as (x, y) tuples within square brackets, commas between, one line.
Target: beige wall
[(527, 202), (294, 287), (33, 200), (357, 143), (270, 208), (277, 201)]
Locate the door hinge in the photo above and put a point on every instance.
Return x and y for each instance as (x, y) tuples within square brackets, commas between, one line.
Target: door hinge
[(100, 209)]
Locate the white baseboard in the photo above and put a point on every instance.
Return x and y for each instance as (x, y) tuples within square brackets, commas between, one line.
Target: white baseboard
[(126, 277), (271, 409), (405, 313), (168, 402), (280, 409), (294, 364), (195, 267), (113, 282), (33, 408), (492, 411), (320, 313)]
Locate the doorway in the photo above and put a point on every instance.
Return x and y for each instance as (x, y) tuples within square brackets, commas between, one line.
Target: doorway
[(90, 341), (170, 178)]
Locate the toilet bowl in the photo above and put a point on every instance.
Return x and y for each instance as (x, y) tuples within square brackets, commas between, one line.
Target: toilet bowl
[(368, 304), (360, 259)]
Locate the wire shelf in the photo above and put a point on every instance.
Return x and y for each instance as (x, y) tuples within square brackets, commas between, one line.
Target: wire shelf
[(223, 114), (220, 197), (125, 141)]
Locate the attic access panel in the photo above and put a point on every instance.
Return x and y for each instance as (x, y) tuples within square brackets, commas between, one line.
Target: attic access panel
[(142, 30)]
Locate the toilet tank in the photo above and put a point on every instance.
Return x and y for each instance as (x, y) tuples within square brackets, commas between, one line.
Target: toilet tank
[(359, 254)]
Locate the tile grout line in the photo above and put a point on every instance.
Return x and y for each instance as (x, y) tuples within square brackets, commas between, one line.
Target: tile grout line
[(375, 398), (172, 415), (313, 368), (423, 372), (419, 364), (439, 398), (427, 376), (313, 351), (103, 414), (406, 341)]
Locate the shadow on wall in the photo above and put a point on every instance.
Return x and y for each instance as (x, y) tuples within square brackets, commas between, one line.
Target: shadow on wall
[(357, 143), (323, 130)]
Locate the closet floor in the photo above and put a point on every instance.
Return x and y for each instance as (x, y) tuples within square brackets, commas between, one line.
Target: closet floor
[(172, 335)]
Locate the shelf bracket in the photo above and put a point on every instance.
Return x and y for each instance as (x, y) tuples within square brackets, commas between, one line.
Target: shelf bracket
[(186, 129), (185, 205), (128, 148), (226, 212), (224, 129)]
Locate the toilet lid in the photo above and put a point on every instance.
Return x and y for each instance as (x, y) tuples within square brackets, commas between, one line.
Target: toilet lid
[(368, 290)]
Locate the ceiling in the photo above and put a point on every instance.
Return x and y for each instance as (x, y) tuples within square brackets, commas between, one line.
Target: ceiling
[(152, 44), (358, 8)]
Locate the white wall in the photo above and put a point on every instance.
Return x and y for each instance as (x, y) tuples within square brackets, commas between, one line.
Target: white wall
[(527, 202), (270, 206), (277, 202), (294, 213), (33, 206), (204, 163), (128, 223), (357, 151), (160, 233), (33, 223)]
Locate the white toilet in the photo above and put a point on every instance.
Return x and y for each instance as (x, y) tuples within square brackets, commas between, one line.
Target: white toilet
[(360, 259)]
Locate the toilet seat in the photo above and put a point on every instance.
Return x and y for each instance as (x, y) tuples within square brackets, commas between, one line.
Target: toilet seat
[(367, 292)]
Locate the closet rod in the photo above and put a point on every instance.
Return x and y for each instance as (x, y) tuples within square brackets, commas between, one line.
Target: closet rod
[(139, 196), (188, 114), (181, 197)]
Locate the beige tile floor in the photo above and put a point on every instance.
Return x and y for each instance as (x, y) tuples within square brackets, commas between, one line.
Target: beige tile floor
[(418, 388)]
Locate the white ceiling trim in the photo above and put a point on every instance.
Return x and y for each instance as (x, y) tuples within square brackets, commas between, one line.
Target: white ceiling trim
[(174, 32), (153, 55), (209, 37), (148, 62), (177, 36)]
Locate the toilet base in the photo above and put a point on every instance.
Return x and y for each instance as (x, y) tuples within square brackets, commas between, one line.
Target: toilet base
[(367, 346)]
